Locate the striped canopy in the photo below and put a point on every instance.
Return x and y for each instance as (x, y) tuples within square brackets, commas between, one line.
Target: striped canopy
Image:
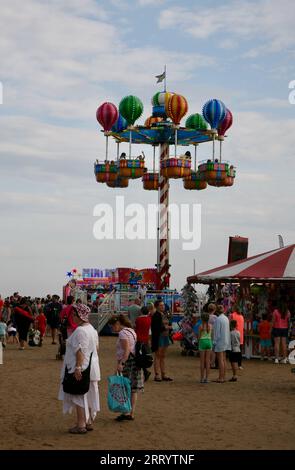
[(275, 265)]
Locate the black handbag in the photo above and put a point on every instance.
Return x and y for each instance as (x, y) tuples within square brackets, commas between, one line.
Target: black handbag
[(77, 387)]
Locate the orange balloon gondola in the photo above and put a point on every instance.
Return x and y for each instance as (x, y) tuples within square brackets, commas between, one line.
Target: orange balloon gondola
[(217, 174), (131, 167), (151, 181), (176, 167), (105, 171), (194, 181)]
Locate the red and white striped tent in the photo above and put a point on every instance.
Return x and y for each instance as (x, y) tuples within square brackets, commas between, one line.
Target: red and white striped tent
[(275, 265)]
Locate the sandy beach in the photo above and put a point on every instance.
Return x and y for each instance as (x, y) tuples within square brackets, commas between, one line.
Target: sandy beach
[(257, 412)]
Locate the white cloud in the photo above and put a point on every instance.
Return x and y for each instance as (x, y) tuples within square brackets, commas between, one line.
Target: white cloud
[(269, 21), (147, 3)]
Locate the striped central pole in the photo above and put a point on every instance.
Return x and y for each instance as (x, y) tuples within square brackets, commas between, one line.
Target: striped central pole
[(163, 239)]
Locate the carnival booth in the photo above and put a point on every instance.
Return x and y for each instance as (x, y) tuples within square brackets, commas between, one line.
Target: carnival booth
[(256, 284), (95, 283)]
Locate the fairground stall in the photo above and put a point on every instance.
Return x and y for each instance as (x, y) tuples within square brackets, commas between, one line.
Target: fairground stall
[(126, 285), (255, 284)]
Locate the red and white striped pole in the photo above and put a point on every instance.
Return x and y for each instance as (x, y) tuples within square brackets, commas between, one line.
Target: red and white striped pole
[(163, 238)]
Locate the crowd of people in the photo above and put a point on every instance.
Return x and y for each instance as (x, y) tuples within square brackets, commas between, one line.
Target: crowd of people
[(219, 336)]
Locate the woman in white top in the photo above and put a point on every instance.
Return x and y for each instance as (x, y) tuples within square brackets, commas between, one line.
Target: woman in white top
[(80, 345), (126, 360)]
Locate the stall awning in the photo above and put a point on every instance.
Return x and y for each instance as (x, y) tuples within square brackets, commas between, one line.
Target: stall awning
[(275, 265)]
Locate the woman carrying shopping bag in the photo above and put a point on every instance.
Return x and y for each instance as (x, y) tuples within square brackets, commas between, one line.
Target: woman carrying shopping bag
[(126, 360)]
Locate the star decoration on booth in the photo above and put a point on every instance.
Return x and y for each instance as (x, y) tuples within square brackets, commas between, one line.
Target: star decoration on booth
[(69, 274)]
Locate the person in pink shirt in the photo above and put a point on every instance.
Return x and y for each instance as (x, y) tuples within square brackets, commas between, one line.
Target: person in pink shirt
[(67, 321), (280, 325), (238, 317)]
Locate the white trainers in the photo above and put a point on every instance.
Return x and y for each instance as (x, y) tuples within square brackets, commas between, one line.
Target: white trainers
[(284, 361), (276, 361)]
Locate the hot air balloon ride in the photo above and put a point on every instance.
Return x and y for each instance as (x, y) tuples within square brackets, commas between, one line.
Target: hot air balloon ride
[(131, 109), (214, 112), (106, 115), (195, 180), (161, 130), (177, 167)]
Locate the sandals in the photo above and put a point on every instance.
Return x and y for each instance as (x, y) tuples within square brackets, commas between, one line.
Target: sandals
[(77, 430), (219, 381), (157, 379), (89, 427), (233, 379), (167, 379)]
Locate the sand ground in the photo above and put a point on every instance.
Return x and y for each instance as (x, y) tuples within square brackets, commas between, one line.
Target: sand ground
[(257, 412)]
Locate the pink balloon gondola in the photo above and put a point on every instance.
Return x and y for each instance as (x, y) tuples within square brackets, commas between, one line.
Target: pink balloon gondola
[(176, 167), (151, 181), (131, 168), (105, 171), (194, 181)]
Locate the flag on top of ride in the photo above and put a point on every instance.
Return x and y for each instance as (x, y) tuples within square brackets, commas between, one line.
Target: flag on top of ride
[(161, 77)]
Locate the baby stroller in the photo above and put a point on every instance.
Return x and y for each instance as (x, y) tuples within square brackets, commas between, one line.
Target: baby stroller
[(189, 342), (62, 337), (34, 337), (291, 357)]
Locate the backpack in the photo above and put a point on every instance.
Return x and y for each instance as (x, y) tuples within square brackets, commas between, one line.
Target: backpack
[(143, 355)]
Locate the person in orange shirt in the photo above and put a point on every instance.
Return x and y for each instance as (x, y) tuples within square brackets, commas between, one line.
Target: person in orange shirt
[(264, 330), (238, 317)]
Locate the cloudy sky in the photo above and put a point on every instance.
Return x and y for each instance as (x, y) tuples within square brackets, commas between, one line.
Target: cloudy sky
[(60, 59)]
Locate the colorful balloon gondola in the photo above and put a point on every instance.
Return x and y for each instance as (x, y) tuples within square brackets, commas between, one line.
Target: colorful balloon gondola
[(131, 168), (105, 171), (216, 173), (119, 182), (176, 167), (151, 181), (194, 181)]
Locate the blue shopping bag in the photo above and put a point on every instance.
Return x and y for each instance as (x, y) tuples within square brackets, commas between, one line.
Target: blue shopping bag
[(119, 394)]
